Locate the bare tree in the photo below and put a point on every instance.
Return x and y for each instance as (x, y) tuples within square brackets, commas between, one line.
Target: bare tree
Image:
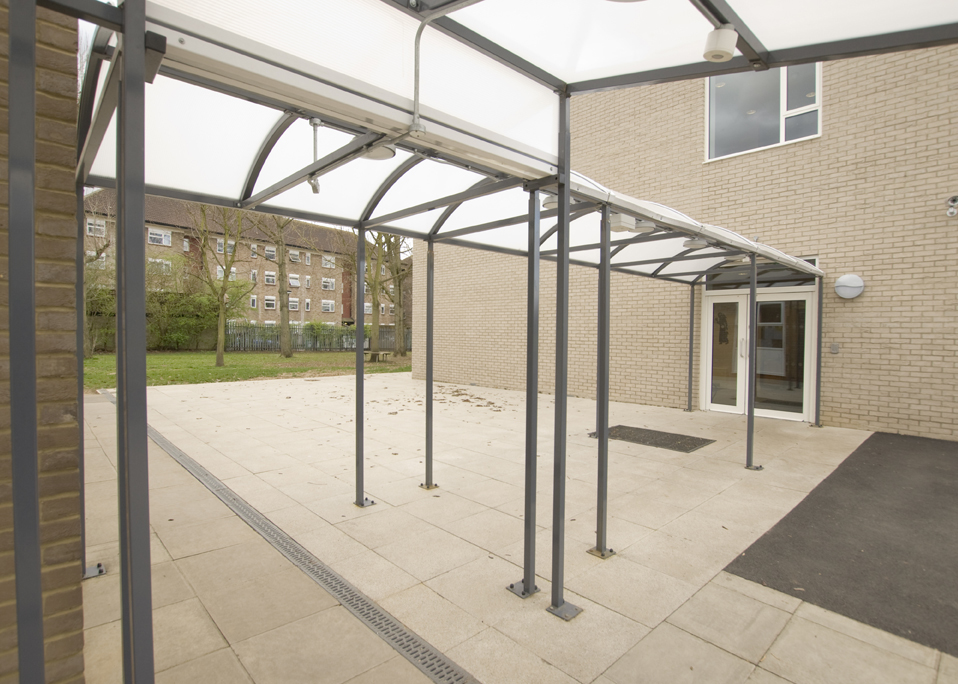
[(396, 249), (99, 281), (279, 230), (218, 230)]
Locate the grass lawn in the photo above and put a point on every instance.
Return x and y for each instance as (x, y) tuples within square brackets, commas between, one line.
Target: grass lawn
[(184, 368)]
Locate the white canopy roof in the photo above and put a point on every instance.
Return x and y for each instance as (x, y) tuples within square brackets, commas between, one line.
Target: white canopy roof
[(228, 116)]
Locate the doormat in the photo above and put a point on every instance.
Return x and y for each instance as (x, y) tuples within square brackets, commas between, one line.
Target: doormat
[(655, 438)]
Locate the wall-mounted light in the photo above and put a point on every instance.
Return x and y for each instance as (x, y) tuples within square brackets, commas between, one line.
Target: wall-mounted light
[(720, 44), (952, 206), (695, 243), (849, 286)]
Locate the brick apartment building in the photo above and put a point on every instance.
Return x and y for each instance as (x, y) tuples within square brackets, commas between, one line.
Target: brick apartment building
[(848, 162), (319, 283)]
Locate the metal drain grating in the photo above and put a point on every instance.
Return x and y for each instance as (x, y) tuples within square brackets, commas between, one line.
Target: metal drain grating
[(410, 645)]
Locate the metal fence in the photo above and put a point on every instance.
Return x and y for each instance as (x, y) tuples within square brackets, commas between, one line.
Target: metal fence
[(256, 337)]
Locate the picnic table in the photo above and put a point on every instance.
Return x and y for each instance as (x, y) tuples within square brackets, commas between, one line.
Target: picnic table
[(376, 357)]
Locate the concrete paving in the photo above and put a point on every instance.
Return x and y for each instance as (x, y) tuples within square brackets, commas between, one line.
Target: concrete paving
[(228, 607)]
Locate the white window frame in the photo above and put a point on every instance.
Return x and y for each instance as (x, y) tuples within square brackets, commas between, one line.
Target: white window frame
[(219, 245), (267, 300), (392, 309), (382, 269), (307, 305), (329, 284), (269, 277), (365, 288), (166, 266), (308, 259), (252, 276), (294, 280), (368, 309), (253, 250), (783, 114), (329, 261), (328, 306), (162, 238), (293, 304), (96, 227), (252, 302), (220, 272), (382, 309), (269, 323), (294, 255), (270, 252), (186, 245), (230, 246), (99, 261), (309, 282)]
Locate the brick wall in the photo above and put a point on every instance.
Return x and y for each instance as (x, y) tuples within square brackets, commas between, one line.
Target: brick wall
[(59, 436), (867, 197)]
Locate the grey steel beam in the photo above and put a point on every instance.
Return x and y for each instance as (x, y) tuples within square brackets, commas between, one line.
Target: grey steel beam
[(718, 12), (504, 223), (559, 605), (430, 327), (131, 461), (687, 257), (265, 149), (98, 51), (459, 197), (526, 587), (25, 491), (613, 243), (548, 234), (360, 317), (685, 72), (601, 548), (91, 11), (387, 185), (642, 239), (752, 368), (345, 154), (818, 353), (100, 121), (449, 210), (691, 343)]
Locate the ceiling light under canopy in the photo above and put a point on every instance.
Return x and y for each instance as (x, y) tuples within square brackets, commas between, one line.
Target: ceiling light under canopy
[(720, 44), (381, 153), (695, 243)]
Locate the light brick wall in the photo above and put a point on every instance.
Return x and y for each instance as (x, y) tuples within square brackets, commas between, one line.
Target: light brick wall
[(867, 197), (56, 364)]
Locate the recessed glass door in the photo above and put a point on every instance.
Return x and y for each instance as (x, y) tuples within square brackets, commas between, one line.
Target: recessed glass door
[(726, 369), (780, 376)]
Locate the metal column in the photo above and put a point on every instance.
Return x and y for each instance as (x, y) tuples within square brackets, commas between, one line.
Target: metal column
[(602, 390), (430, 321), (527, 586), (559, 605), (691, 342), (752, 345), (818, 354), (360, 317), (132, 465), (23, 360)]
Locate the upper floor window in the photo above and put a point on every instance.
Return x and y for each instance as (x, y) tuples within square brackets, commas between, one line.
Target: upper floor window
[(294, 280), (159, 237), (96, 227), (270, 253), (329, 283), (757, 109), (294, 255), (329, 261), (308, 258), (252, 250)]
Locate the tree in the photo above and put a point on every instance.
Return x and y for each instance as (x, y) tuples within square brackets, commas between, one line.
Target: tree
[(278, 230), (218, 231), (398, 266), (99, 273)]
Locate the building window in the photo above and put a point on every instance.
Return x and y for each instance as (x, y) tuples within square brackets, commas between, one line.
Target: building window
[(219, 246), (252, 275), (294, 280), (365, 288), (294, 255), (269, 322), (252, 301), (230, 246), (270, 253), (309, 281), (329, 284), (382, 270), (186, 245), (757, 109), (368, 308), (96, 227), (392, 309), (161, 266), (382, 309), (307, 305), (329, 261), (308, 260), (269, 277), (220, 272), (253, 251), (392, 288), (294, 304), (269, 302), (94, 261), (329, 306), (159, 237)]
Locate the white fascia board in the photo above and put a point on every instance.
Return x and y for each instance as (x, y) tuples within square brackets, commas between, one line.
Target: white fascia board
[(200, 49)]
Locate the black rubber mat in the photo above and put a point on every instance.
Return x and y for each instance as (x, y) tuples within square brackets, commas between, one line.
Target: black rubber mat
[(655, 438), (876, 541)]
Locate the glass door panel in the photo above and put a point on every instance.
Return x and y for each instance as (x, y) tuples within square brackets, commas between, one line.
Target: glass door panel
[(725, 357), (780, 367)]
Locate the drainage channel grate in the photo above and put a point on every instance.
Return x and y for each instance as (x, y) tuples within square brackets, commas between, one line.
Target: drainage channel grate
[(416, 650)]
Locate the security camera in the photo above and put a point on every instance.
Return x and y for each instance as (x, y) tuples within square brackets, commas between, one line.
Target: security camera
[(953, 201)]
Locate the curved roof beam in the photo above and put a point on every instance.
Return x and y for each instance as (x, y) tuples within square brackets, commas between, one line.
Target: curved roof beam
[(387, 185), (441, 221), (264, 151)]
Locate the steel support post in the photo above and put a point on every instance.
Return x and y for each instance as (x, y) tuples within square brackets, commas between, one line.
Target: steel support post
[(430, 322), (559, 605), (691, 343), (80, 297), (527, 586), (818, 353), (132, 465), (23, 361), (360, 317), (602, 389), (752, 353)]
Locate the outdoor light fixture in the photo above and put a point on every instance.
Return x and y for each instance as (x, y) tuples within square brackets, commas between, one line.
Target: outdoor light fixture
[(695, 243), (952, 206), (849, 286), (550, 202), (736, 258), (314, 184), (644, 227), (621, 223), (381, 153), (720, 44)]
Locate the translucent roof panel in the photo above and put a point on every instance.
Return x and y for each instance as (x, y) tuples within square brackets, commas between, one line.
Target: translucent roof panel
[(502, 205), (822, 21), (427, 181), (196, 139), (577, 40), (294, 150)]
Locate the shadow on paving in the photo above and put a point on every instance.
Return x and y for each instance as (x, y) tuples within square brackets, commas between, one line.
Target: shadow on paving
[(876, 541)]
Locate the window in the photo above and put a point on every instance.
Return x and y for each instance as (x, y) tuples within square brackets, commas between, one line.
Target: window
[(294, 304), (96, 227), (252, 301), (220, 272), (294, 255), (368, 308), (161, 266), (159, 237), (269, 277), (253, 251), (271, 253), (230, 246), (94, 261), (392, 288), (186, 245), (329, 306), (308, 281), (308, 261), (219, 246), (392, 309), (329, 261), (754, 110), (307, 305), (382, 270), (365, 288), (233, 273), (294, 280), (329, 284), (382, 309), (269, 322), (269, 302), (252, 275)]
